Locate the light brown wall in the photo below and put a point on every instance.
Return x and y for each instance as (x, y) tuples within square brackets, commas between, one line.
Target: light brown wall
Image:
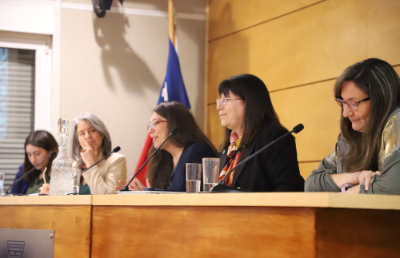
[(113, 67), (298, 48)]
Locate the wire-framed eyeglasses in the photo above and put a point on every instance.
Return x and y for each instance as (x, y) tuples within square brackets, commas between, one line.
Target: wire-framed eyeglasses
[(223, 100), (153, 124), (352, 104)]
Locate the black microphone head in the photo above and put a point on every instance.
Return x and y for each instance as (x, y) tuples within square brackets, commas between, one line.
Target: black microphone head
[(298, 128), (175, 130), (53, 154), (116, 149)]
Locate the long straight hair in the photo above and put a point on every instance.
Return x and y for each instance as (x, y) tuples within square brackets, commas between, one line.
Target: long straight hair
[(381, 83), (44, 140), (177, 115), (258, 108)]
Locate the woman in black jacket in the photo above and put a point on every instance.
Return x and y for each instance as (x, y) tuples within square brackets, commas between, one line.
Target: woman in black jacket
[(247, 113)]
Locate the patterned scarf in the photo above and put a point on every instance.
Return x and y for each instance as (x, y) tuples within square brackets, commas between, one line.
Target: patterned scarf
[(234, 155)]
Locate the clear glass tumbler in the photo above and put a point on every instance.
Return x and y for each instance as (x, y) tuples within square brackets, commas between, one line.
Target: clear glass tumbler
[(76, 177), (1, 184), (210, 173), (193, 177)]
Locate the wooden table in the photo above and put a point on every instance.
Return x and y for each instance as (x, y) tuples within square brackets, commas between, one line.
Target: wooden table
[(213, 225), (246, 225), (69, 216)]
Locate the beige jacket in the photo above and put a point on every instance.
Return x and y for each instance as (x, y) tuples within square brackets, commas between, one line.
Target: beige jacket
[(103, 177)]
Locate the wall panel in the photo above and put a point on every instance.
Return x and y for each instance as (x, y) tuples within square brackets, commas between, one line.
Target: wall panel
[(384, 30), (228, 16), (310, 45), (214, 130), (313, 106), (307, 167)]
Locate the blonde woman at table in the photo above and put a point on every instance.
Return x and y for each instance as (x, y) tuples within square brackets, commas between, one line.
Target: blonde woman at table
[(366, 158), (90, 143)]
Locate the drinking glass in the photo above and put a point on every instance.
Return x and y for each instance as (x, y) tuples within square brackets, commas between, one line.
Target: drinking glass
[(1, 183), (193, 177), (76, 176), (210, 173)]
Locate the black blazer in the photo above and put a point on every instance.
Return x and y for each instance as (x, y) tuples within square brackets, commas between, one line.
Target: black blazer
[(275, 169)]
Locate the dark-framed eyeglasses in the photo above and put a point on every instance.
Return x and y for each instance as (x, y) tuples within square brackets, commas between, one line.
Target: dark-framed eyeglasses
[(223, 100), (352, 104), (153, 124)]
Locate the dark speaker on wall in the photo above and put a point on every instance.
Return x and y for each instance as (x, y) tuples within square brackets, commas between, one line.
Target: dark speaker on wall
[(100, 6)]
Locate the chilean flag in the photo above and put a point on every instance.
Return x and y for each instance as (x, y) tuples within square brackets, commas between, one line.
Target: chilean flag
[(173, 89)]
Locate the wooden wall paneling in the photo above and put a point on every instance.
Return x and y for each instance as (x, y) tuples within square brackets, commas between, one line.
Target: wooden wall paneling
[(310, 45), (228, 16), (397, 69), (384, 30), (307, 167), (357, 233), (314, 106), (215, 131), (71, 225), (203, 231)]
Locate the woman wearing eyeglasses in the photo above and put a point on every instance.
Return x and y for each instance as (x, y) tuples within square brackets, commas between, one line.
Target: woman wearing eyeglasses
[(247, 113), (167, 169), (366, 158)]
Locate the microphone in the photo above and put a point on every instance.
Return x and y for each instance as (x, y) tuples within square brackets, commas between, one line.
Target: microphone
[(116, 149), (52, 155), (222, 188), (126, 187)]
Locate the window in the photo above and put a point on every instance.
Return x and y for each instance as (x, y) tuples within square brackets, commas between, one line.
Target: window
[(17, 89), (25, 95)]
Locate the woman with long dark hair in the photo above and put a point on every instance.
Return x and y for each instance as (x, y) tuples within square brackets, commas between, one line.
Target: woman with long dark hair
[(38, 146), (247, 113), (366, 155), (167, 168)]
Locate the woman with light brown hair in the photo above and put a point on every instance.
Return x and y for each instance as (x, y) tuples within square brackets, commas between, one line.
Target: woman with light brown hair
[(366, 158)]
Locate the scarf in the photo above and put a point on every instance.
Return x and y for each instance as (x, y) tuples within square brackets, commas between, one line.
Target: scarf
[(234, 155)]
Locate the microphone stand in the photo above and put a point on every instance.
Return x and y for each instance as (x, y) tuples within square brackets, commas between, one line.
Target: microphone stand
[(221, 187)]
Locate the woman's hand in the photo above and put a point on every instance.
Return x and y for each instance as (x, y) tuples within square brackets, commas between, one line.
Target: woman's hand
[(354, 178), (45, 189), (367, 176), (88, 154), (135, 185), (361, 176), (120, 185)]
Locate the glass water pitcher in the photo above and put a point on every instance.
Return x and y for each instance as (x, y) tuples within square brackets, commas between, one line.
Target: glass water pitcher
[(61, 170)]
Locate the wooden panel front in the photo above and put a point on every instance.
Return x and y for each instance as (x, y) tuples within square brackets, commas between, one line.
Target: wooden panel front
[(203, 232), (228, 16), (357, 233), (71, 225)]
